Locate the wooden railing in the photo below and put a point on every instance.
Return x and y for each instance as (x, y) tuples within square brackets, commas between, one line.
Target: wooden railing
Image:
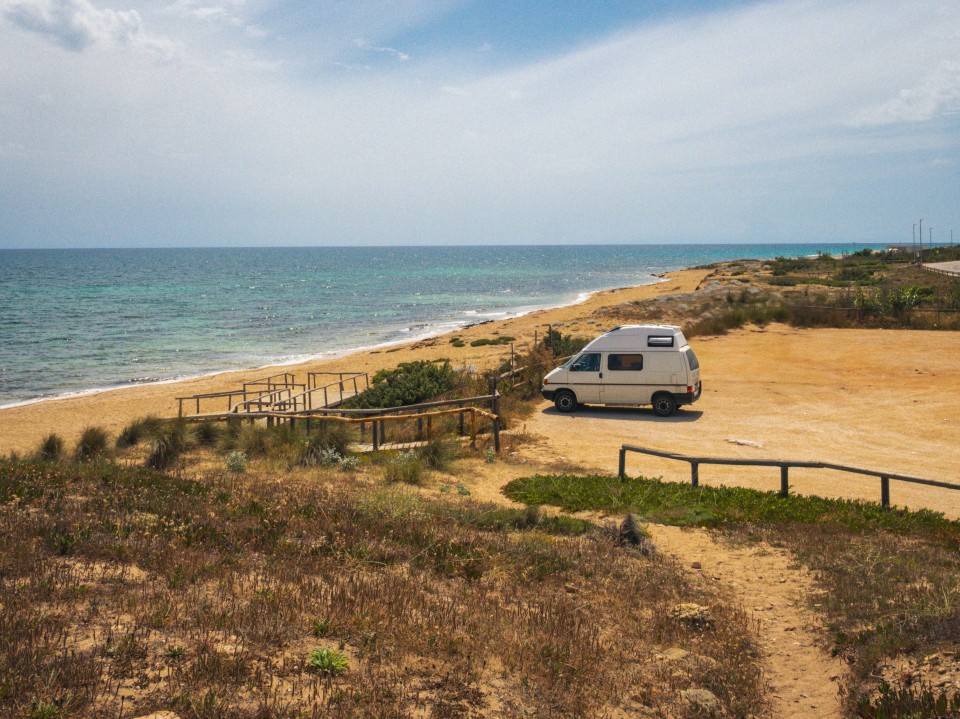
[(380, 419), (306, 400), (784, 466)]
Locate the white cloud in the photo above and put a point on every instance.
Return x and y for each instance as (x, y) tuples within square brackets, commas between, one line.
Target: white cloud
[(938, 94), (364, 45), (77, 24)]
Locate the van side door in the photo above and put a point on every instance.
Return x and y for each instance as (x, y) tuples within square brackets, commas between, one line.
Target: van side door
[(584, 377), (623, 380)]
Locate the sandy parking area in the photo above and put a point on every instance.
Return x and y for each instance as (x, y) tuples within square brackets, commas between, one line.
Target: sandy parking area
[(875, 399)]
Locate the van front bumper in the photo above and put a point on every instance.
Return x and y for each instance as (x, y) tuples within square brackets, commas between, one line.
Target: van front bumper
[(548, 393)]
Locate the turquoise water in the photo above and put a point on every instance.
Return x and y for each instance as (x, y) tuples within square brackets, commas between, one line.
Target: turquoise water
[(81, 320)]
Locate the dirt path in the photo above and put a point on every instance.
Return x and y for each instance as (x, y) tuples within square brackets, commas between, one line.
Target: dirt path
[(803, 679)]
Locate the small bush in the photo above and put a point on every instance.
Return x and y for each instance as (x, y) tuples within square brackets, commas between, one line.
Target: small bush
[(409, 383), (349, 463), (918, 703), (168, 446), (327, 661), (439, 452), (51, 448), (405, 467), (254, 440), (325, 448), (207, 434), (237, 462), (92, 444)]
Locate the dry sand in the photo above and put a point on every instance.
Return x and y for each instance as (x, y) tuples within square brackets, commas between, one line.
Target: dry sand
[(875, 399)]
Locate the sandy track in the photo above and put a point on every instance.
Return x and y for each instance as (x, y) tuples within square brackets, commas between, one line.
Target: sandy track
[(803, 679)]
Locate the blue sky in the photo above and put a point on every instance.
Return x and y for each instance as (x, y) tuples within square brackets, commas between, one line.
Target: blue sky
[(266, 122)]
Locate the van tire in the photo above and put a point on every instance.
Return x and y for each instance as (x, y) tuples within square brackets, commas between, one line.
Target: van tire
[(565, 401), (664, 404)]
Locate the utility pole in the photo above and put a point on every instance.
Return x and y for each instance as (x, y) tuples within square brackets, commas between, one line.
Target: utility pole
[(921, 240), (914, 240)]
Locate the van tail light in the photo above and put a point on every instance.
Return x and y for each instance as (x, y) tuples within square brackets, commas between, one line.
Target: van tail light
[(689, 389)]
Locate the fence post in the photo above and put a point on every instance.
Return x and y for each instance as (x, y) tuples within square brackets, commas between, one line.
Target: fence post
[(784, 480), (622, 471), (496, 420), (885, 492), (695, 474), (376, 437)]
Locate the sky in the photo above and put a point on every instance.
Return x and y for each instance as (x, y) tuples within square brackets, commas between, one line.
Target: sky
[(422, 122)]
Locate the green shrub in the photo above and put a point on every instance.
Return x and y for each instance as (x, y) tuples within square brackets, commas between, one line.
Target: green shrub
[(409, 383), (91, 445), (327, 661)]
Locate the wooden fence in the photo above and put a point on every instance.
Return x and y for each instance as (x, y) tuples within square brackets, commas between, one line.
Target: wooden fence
[(784, 466)]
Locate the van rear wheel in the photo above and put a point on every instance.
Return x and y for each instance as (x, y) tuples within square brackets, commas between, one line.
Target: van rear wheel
[(565, 401), (664, 405)]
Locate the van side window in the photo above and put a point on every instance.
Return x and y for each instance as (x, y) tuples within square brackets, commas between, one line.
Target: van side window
[(660, 341), (625, 362), (589, 362)]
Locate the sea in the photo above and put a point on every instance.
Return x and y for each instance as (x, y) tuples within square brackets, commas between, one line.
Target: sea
[(75, 321)]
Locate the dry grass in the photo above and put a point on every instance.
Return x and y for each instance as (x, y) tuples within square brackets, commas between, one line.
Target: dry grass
[(127, 590)]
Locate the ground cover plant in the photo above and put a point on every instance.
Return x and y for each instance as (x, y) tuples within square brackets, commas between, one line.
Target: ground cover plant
[(126, 590), (888, 578)]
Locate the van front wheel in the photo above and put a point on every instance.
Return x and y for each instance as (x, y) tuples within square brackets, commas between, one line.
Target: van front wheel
[(664, 405), (565, 401)]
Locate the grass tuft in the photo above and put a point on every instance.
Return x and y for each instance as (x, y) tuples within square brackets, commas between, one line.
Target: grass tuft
[(92, 445), (50, 449)]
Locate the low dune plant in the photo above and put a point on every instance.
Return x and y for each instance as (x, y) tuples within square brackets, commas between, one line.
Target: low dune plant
[(327, 661), (206, 434), (236, 462), (254, 440), (137, 431), (440, 452), (168, 446), (405, 467), (51, 448), (92, 444), (326, 447)]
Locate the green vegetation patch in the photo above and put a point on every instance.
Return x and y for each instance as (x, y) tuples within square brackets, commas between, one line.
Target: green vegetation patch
[(409, 383), (683, 504), (484, 341)]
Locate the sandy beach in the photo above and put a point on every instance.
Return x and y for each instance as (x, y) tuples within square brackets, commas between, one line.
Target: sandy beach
[(874, 399)]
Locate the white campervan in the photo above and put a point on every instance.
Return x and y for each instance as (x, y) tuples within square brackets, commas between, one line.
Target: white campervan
[(629, 365)]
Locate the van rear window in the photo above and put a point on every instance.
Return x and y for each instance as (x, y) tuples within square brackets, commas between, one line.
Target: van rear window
[(624, 362), (692, 359), (660, 341)]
